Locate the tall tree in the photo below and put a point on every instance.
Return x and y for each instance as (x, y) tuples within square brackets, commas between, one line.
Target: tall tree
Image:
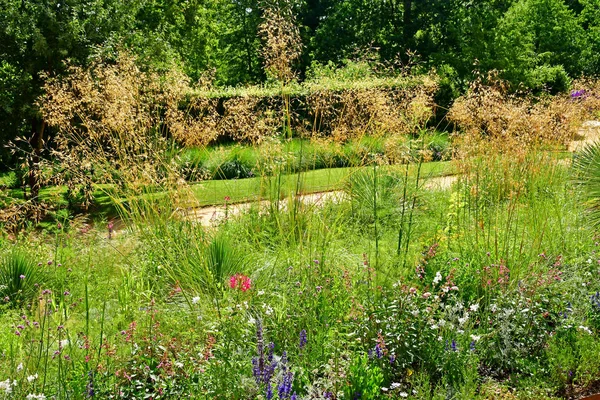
[(536, 36)]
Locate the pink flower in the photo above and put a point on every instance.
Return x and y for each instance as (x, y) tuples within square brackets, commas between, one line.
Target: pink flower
[(426, 295), (241, 282), (227, 198)]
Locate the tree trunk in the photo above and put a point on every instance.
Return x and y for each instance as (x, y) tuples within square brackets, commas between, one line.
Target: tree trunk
[(36, 142)]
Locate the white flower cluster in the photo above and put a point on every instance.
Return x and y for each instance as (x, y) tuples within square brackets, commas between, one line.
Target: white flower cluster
[(7, 385), (36, 397)]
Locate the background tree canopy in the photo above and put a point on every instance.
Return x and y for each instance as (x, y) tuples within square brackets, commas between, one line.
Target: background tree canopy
[(532, 43)]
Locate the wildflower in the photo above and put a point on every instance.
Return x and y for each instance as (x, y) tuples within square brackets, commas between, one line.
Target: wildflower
[(227, 198), (378, 351), (22, 276), (6, 386), (403, 394), (67, 293), (110, 227), (262, 369), (20, 367), (32, 378), (426, 295), (285, 387), (577, 94), (472, 345), (474, 307), (195, 300), (303, 339), (241, 282), (395, 385), (453, 345), (585, 329), (438, 278), (392, 360), (413, 290), (90, 385), (268, 309), (36, 397), (269, 393), (475, 338)]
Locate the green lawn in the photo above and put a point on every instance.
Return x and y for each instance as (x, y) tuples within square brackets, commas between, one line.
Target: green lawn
[(214, 192)]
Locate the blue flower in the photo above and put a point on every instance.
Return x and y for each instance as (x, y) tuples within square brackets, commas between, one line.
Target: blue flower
[(378, 351), (576, 94), (285, 387), (303, 338)]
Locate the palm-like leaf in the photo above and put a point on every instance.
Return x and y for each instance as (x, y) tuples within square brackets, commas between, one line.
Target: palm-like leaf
[(218, 261), (586, 165), (19, 275)]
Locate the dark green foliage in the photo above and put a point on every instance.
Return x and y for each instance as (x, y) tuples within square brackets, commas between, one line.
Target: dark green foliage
[(539, 33), (535, 44)]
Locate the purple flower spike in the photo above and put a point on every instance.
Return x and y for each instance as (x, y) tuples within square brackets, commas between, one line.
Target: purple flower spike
[(303, 338)]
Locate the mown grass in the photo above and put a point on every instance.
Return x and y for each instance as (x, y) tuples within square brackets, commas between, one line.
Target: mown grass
[(213, 192)]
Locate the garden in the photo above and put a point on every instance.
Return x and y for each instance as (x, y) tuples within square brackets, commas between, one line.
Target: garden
[(359, 230)]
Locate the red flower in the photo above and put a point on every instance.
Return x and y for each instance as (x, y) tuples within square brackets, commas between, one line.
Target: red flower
[(241, 282)]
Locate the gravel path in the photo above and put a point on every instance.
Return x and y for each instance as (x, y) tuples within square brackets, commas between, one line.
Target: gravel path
[(213, 214)]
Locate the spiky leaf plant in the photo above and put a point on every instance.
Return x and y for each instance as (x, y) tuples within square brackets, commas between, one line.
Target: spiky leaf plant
[(372, 193), (219, 261), (586, 165), (19, 275)]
